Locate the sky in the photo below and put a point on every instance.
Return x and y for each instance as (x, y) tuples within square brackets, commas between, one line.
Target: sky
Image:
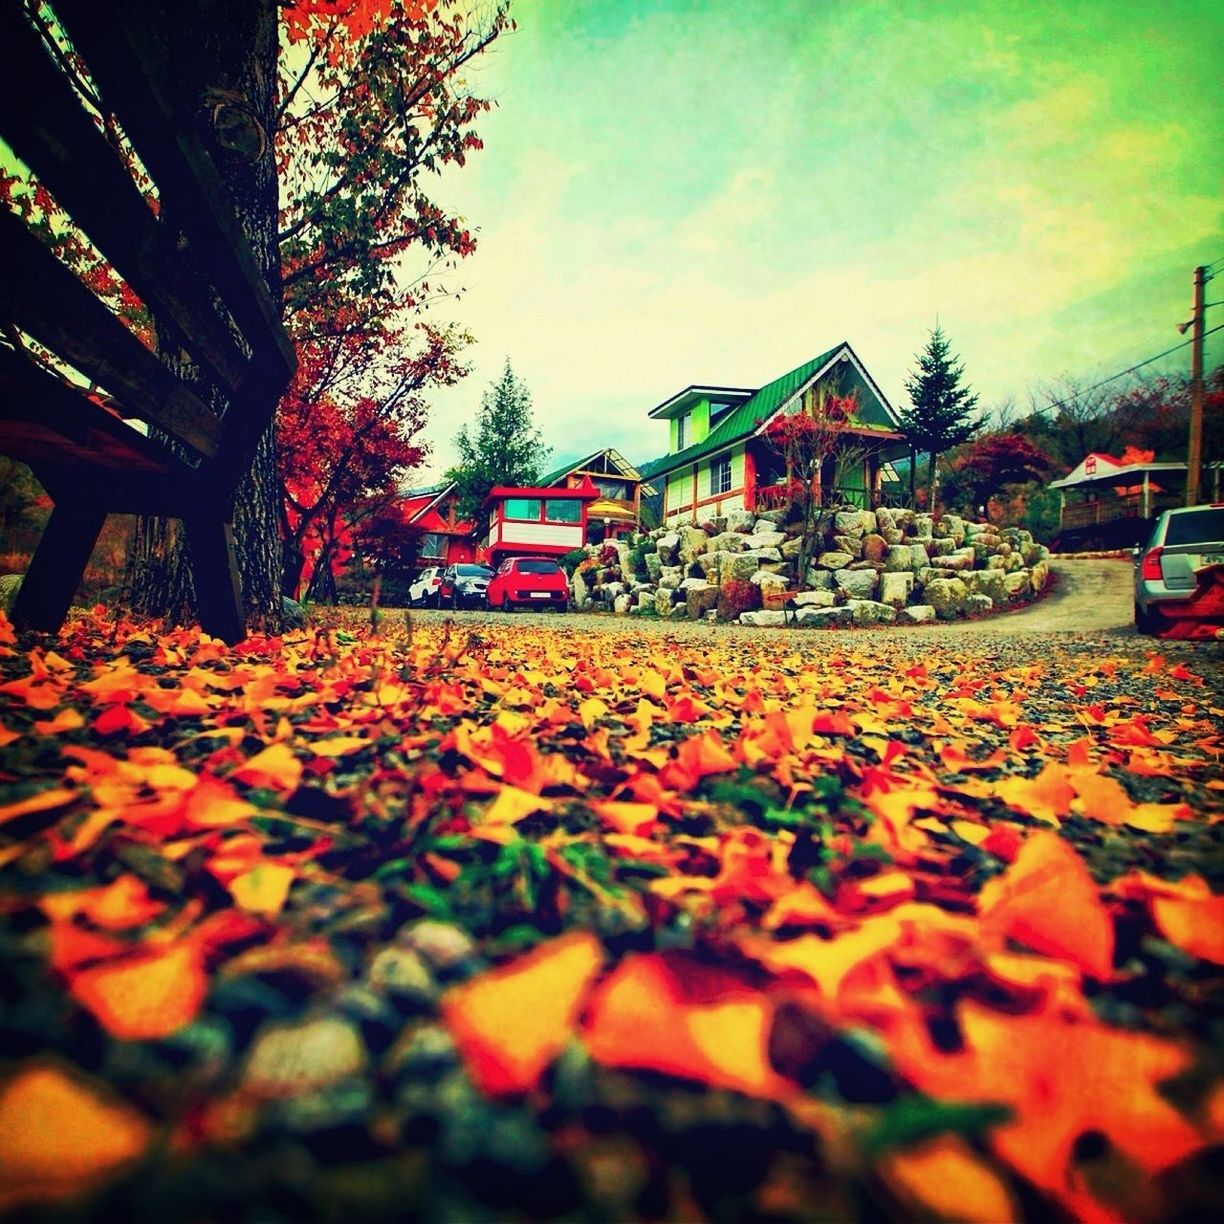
[(714, 191)]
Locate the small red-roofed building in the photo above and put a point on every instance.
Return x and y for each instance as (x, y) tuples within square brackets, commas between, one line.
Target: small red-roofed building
[(536, 520), (443, 538)]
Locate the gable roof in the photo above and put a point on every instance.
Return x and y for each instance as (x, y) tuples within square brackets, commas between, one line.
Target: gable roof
[(748, 417)]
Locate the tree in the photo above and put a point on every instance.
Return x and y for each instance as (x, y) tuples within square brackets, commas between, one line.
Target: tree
[(981, 469), (807, 440), (507, 448), (939, 414)]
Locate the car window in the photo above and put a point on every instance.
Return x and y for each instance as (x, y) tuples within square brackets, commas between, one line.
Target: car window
[(1204, 526), (471, 571), (531, 566)]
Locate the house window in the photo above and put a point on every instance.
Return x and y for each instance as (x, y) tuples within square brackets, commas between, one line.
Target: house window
[(680, 424), (527, 508), (433, 546), (566, 510), (720, 476)]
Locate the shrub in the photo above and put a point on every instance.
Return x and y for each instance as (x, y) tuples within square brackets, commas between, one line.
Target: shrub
[(637, 559), (736, 596), (572, 560), (609, 555)]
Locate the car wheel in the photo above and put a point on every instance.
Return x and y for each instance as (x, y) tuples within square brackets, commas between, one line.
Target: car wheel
[(561, 607), (1148, 623)]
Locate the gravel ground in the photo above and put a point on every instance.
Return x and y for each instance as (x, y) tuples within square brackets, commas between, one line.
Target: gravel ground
[(1091, 598)]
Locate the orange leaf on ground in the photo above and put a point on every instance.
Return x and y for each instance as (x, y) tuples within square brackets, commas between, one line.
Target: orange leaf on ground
[(1062, 1077), (946, 1179), (44, 801), (120, 905), (631, 818), (146, 996), (703, 1026), (1185, 911), (1047, 796), (513, 805), (61, 1136), (512, 1021), (263, 889), (1047, 900), (275, 768)]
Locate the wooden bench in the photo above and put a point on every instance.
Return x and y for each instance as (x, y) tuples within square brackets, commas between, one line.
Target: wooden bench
[(197, 278)]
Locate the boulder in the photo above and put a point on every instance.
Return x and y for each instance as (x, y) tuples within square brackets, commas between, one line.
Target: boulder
[(693, 542), (728, 541), (848, 544), (654, 566), (645, 598), (854, 522), (700, 600), (671, 576), (738, 566), (874, 547), (990, 582), (1018, 584), (818, 579), (1040, 576), (924, 526), (857, 583), (677, 611), (693, 584), (766, 539), (668, 547), (292, 613), (824, 618), (792, 547), (885, 520), (919, 556), (741, 521), (941, 546), (917, 614), (663, 601), (622, 603), (997, 562), (868, 612), (976, 605), (771, 516), (815, 599), (768, 581), (764, 618), (895, 588), (610, 590), (960, 559), (834, 560), (972, 530), (899, 559), (947, 596)]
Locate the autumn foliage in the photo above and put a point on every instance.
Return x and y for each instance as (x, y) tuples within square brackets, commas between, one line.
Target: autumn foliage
[(888, 926)]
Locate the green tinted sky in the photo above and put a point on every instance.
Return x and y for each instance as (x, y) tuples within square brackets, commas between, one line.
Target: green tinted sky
[(675, 191)]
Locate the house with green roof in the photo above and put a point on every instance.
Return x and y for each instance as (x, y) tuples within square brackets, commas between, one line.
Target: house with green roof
[(719, 459), (617, 512)]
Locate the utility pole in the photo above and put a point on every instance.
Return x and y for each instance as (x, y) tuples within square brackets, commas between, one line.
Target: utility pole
[(1194, 460)]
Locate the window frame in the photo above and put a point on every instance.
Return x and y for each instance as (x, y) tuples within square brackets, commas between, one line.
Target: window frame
[(720, 476)]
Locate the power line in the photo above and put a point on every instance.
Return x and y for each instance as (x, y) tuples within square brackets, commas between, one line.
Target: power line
[(1124, 373)]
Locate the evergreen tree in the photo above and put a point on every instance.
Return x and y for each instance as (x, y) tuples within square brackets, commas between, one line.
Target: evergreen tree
[(507, 448), (939, 414)]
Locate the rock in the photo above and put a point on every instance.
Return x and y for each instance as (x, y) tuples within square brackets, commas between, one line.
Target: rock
[(677, 611), (854, 522), (919, 556), (292, 612), (1040, 576), (663, 601), (815, 599), (654, 566), (899, 559), (869, 612), (768, 581), (401, 971), (917, 614), (741, 521), (976, 605), (766, 556), (857, 583), (693, 542), (10, 584), (700, 600), (824, 618), (288, 1059), (792, 547), (766, 539), (972, 530), (739, 566), (941, 546), (927, 574), (728, 541), (885, 520), (668, 547), (924, 526), (578, 591), (947, 596), (671, 577), (443, 946), (895, 588), (997, 562), (1018, 584), (834, 560), (990, 582), (960, 559), (611, 590), (874, 547), (771, 516), (765, 618), (818, 579), (693, 584), (624, 557)]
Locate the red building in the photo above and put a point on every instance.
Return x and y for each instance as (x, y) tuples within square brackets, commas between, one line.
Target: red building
[(536, 520), (443, 537)]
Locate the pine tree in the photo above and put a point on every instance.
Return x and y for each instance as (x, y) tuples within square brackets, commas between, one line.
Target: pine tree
[(507, 448), (939, 416)]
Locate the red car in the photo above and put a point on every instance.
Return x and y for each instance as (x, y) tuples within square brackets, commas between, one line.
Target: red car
[(528, 582)]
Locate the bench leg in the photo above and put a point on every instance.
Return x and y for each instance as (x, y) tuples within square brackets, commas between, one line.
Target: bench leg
[(56, 567), (214, 568)]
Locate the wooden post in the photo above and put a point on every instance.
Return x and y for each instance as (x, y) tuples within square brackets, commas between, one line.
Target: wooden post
[(1194, 458), (1145, 510), (57, 566), (214, 569)]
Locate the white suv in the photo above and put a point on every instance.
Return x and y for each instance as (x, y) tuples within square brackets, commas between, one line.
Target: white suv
[(424, 591), (1180, 573)]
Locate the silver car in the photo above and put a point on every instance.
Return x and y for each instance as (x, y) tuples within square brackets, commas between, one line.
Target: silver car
[(1183, 560)]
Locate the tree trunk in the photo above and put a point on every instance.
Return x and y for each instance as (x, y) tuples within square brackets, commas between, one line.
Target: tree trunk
[(230, 46), (931, 482)]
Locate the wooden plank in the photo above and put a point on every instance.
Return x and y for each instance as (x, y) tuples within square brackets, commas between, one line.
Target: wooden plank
[(214, 569), (57, 566), (119, 44), (46, 300), (46, 126)]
